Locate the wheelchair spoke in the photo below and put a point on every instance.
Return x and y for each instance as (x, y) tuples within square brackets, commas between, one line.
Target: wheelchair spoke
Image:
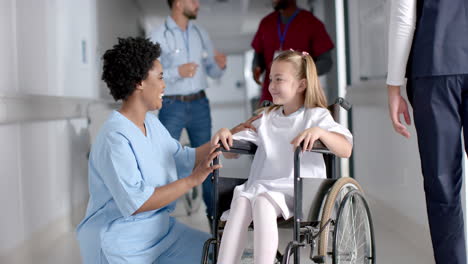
[(362, 233), (353, 218), (345, 228), (352, 233), (352, 238), (347, 234), (361, 245)]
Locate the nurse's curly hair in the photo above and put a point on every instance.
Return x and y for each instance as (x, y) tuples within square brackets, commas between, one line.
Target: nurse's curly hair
[(127, 64)]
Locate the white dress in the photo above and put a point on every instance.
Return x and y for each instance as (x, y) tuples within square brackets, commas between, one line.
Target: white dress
[(272, 168)]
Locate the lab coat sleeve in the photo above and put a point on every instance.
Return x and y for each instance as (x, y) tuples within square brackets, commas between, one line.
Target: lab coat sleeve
[(210, 65), (171, 72), (121, 174), (400, 37), (248, 134), (325, 121)]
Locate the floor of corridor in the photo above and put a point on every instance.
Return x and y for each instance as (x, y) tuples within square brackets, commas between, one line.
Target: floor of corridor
[(391, 248), (65, 250)]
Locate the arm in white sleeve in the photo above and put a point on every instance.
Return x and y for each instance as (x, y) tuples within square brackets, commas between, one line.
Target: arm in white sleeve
[(400, 37), (248, 134)]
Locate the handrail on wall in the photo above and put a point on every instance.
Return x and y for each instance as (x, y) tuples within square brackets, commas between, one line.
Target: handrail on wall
[(36, 108)]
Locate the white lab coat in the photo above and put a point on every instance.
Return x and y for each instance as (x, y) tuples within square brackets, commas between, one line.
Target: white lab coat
[(272, 172)]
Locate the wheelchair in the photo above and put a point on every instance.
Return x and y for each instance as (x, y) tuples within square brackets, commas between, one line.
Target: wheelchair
[(331, 215)]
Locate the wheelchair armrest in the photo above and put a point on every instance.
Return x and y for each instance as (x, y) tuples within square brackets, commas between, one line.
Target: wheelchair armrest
[(318, 147), (241, 147), (245, 147)]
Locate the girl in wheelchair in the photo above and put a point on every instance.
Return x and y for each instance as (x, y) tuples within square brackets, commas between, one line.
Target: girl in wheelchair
[(299, 115)]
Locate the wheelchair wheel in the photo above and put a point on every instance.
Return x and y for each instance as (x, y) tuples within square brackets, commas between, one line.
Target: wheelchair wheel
[(353, 240), (330, 211)]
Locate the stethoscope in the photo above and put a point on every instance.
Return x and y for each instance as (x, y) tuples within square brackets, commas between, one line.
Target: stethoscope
[(174, 48)]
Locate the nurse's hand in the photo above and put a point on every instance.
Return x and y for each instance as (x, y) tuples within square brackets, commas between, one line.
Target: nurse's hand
[(204, 168)]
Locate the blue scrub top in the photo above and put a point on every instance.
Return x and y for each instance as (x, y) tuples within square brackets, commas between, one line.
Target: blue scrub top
[(125, 166)]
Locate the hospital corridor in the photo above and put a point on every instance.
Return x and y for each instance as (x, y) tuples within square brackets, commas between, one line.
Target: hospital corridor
[(55, 100)]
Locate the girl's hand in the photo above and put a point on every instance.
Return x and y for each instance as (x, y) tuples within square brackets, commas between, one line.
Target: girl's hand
[(308, 136), (204, 168), (225, 136)]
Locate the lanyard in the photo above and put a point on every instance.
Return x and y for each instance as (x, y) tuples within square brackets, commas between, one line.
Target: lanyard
[(282, 36)]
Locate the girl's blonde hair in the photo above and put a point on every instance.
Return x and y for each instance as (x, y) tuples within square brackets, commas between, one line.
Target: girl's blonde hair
[(305, 69)]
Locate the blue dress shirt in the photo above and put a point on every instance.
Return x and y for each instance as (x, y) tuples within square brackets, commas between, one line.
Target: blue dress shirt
[(180, 47)]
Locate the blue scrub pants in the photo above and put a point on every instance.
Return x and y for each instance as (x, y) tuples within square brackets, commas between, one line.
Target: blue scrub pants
[(440, 107), (195, 117), (188, 248)]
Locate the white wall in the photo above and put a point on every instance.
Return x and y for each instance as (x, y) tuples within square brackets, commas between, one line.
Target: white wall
[(116, 18), (7, 47), (50, 50), (50, 36)]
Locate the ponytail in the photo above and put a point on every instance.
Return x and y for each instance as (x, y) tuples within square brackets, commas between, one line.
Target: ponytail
[(314, 95)]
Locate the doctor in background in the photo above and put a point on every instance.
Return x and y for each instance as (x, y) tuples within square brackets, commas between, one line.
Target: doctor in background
[(188, 56), (429, 39), (289, 27)]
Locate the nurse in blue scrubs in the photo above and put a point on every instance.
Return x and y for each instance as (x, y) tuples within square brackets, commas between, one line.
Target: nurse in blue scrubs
[(137, 170)]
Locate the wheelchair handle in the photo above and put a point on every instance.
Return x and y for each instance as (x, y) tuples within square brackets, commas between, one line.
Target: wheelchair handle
[(343, 103)]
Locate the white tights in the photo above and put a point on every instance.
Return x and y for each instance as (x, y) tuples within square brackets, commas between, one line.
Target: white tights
[(264, 214)]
